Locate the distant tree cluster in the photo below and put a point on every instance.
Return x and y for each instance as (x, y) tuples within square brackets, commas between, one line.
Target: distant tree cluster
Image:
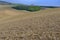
[(28, 8), (34, 8)]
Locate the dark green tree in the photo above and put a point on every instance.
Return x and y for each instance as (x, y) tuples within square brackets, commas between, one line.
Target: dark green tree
[(28, 8), (33, 8)]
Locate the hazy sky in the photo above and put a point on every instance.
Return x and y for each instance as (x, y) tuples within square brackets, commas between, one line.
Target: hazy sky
[(37, 2)]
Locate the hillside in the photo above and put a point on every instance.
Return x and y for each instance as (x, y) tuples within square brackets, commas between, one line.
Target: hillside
[(5, 3), (24, 25)]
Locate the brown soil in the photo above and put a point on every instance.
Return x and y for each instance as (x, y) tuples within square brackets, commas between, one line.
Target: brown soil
[(23, 25)]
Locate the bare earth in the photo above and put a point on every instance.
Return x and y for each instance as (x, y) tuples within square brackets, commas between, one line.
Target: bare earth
[(24, 25)]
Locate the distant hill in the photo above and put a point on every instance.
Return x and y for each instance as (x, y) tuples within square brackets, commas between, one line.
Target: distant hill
[(5, 3)]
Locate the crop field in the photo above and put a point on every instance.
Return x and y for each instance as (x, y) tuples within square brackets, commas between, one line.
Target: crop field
[(25, 25)]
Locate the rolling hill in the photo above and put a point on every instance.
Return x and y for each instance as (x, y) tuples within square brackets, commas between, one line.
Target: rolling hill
[(5, 3), (24, 25)]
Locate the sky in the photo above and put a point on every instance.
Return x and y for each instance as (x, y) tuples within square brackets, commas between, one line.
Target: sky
[(37, 2)]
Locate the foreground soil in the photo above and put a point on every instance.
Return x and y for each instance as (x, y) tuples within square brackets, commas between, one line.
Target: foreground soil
[(23, 25)]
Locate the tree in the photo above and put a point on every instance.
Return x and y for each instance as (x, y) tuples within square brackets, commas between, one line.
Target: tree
[(34, 8)]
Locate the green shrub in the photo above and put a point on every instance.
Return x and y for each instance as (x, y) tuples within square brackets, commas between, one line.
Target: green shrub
[(20, 7), (33, 8), (28, 8)]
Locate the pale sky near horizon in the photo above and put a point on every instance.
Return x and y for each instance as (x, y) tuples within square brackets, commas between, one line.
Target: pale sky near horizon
[(37, 2)]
